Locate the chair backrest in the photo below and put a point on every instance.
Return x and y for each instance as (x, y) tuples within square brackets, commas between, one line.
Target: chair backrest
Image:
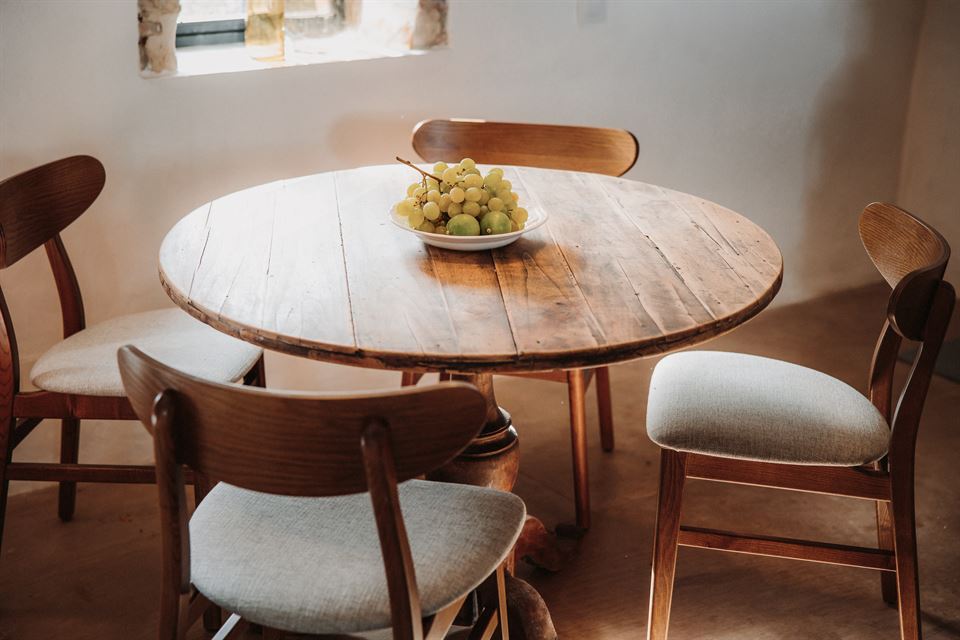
[(39, 203), (912, 257), (298, 444), (596, 150), (34, 207)]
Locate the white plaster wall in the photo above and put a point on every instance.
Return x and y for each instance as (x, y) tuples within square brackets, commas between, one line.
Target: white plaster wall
[(789, 112), (930, 174)]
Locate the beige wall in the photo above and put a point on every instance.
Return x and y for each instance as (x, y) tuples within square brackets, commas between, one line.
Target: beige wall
[(789, 112), (930, 171)]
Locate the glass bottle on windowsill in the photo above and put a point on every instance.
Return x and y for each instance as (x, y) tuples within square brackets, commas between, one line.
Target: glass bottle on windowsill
[(264, 32), (308, 23)]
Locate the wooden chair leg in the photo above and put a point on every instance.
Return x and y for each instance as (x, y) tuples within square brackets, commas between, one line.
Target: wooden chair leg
[(502, 603), (410, 379), (888, 581), (905, 548), (212, 615), (605, 408), (672, 475), (576, 390), (69, 454), (6, 454)]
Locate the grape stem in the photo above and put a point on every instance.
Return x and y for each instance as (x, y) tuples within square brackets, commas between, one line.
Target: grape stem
[(415, 167)]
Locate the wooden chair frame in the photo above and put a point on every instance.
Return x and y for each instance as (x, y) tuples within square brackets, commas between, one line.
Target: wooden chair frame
[(303, 445), (912, 257), (34, 207), (598, 150)]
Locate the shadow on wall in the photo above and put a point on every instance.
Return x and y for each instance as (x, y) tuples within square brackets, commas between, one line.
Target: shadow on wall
[(854, 154)]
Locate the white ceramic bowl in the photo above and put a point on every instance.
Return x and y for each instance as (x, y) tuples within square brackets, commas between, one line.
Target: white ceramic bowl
[(535, 218)]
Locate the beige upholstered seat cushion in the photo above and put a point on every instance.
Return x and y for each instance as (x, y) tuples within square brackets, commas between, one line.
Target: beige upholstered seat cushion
[(86, 362), (313, 565), (740, 406)]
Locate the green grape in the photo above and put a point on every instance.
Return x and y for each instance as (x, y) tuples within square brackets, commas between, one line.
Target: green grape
[(484, 196), (515, 196), (416, 217), (471, 209), (495, 204), (514, 226), (473, 180), (432, 184), (497, 170), (427, 226), (431, 211), (454, 209), (419, 192), (463, 225), (405, 206), (441, 229), (451, 175), (444, 202), (495, 222), (413, 187), (504, 194), (467, 163), (519, 215), (440, 167), (483, 209), (457, 194), (472, 194), (505, 184), (492, 181), (433, 195)]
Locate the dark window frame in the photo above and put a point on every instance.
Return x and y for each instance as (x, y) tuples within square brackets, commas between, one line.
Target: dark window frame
[(191, 34)]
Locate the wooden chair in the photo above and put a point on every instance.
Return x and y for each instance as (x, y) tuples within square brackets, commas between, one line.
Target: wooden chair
[(607, 151), (288, 540), (749, 420), (78, 378)]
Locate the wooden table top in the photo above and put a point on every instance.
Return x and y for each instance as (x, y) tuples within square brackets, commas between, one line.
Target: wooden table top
[(313, 266)]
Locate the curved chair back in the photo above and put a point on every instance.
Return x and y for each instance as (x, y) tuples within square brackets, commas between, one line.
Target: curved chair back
[(596, 150), (35, 206), (39, 203), (912, 257), (297, 443)]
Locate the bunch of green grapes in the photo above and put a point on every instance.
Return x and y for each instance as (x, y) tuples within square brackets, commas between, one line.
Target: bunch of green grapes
[(458, 200)]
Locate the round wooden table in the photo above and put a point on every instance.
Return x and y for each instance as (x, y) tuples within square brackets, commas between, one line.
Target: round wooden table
[(313, 266)]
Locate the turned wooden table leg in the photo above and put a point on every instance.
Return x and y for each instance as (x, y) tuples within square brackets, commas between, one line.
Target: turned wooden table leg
[(493, 460)]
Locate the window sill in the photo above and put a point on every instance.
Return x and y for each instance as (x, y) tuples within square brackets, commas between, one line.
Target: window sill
[(231, 58)]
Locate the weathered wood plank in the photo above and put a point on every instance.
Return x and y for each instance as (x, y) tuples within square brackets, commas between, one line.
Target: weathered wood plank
[(582, 227), (695, 256), (545, 305), (396, 297), (230, 279), (306, 286)]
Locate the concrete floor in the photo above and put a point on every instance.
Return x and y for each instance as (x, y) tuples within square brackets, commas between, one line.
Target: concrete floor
[(97, 576)]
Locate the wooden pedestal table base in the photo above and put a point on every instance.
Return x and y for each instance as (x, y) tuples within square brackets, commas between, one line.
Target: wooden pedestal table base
[(493, 460)]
